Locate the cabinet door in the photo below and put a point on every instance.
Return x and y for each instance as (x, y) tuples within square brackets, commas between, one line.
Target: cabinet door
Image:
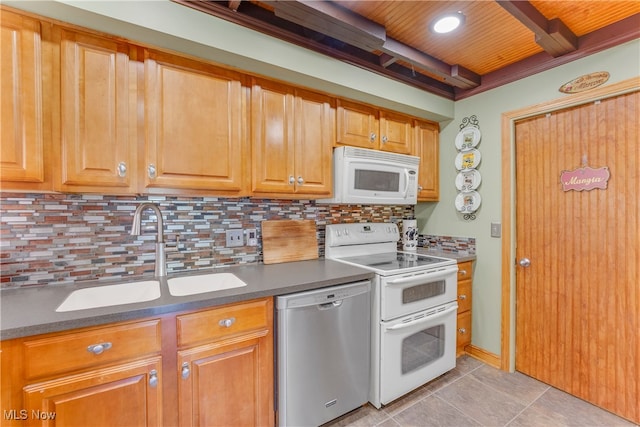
[(227, 383), (124, 395), (194, 115), (426, 147), (272, 127), (396, 132), (357, 125), (314, 136), (97, 114), (22, 152)]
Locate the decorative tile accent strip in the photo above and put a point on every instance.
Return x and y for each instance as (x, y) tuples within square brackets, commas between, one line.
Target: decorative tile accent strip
[(49, 239), (458, 245)]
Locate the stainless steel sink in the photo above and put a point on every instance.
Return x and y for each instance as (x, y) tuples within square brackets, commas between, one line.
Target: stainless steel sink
[(190, 285), (109, 295)]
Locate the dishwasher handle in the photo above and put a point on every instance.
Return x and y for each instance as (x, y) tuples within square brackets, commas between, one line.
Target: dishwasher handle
[(330, 305)]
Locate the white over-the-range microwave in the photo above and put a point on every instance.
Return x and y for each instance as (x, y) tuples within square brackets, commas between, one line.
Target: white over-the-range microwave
[(362, 176)]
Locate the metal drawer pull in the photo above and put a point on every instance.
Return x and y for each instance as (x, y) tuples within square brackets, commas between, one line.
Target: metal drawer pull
[(462, 331), (99, 348), (153, 378), (226, 323), (463, 272), (185, 371)]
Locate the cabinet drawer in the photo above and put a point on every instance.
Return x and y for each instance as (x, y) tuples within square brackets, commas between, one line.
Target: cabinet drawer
[(79, 350), (223, 321), (465, 270), (463, 331), (464, 296)]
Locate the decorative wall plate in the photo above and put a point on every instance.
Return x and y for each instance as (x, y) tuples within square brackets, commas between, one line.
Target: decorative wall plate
[(468, 202), (468, 180), (468, 159), (468, 138)]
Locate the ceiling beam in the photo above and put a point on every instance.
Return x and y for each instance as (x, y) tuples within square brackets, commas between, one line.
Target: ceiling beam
[(332, 20), (463, 78), (552, 35)]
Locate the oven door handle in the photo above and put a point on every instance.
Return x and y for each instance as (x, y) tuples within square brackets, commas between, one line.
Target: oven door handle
[(422, 320), (421, 278)]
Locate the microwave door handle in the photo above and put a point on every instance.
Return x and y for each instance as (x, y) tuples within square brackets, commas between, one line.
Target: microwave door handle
[(406, 179), (422, 320)]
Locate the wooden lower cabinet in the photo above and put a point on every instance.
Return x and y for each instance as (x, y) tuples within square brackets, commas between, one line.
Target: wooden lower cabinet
[(465, 270), (127, 394), (227, 379), (208, 367)]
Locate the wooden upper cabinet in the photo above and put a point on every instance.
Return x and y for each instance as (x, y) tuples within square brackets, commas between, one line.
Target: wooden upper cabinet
[(194, 126), (292, 134), (396, 132), (357, 125), (426, 146), (97, 115), (23, 152), (314, 135)]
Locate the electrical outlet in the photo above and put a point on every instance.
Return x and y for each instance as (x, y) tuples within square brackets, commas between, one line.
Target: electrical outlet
[(252, 237), (235, 237)]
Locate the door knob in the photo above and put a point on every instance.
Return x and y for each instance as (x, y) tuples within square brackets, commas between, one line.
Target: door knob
[(524, 262)]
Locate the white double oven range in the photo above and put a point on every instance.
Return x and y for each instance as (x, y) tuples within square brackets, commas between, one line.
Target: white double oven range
[(413, 331)]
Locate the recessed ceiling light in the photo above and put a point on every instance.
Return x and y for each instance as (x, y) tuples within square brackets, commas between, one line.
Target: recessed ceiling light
[(447, 23)]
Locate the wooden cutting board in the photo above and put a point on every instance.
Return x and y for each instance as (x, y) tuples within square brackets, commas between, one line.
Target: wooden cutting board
[(289, 240)]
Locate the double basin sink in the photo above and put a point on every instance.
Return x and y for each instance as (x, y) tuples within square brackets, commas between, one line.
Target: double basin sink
[(133, 292)]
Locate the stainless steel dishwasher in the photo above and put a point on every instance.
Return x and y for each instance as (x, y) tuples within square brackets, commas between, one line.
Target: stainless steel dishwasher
[(323, 351)]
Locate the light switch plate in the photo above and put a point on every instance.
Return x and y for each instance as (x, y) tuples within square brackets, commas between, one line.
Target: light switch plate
[(496, 229), (235, 237)]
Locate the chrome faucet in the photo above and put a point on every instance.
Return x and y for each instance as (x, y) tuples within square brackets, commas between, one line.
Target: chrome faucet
[(161, 261)]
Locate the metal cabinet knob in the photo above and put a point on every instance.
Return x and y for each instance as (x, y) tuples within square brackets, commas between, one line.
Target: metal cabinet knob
[(524, 262), (462, 297), (462, 331), (292, 179), (300, 180), (420, 188), (151, 171), (372, 137), (153, 378), (462, 272), (185, 371), (384, 139), (226, 323), (99, 348), (122, 169)]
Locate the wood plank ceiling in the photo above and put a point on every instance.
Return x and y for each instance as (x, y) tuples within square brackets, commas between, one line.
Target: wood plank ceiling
[(500, 41)]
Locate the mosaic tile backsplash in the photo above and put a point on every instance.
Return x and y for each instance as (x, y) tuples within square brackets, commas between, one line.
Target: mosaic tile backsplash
[(49, 239)]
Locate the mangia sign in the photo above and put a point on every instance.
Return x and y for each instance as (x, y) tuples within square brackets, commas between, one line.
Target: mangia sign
[(585, 179)]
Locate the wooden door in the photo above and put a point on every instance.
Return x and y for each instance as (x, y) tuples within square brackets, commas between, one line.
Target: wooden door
[(578, 302), (273, 154), (22, 152), (314, 136), (98, 120), (227, 383), (194, 126), (123, 395), (427, 146), (396, 132), (357, 125)]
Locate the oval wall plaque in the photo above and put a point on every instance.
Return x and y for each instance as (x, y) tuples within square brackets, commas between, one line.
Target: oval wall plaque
[(586, 82)]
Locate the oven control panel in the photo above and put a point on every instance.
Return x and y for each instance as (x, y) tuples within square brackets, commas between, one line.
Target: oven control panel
[(361, 233)]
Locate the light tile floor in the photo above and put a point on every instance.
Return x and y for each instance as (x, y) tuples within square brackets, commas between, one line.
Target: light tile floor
[(475, 394)]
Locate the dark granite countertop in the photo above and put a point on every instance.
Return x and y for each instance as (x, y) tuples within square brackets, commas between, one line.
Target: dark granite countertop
[(32, 311)]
